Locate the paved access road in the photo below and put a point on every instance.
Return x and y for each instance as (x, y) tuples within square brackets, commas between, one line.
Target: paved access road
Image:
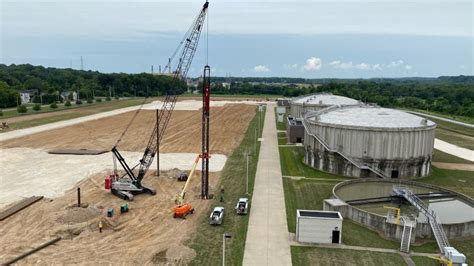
[(268, 240)]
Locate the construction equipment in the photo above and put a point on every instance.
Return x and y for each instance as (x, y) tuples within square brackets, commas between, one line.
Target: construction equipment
[(183, 209), (242, 206), (131, 183), (217, 216)]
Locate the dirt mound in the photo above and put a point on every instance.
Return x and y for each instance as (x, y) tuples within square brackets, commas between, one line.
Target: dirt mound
[(180, 254), (74, 215), (148, 233)]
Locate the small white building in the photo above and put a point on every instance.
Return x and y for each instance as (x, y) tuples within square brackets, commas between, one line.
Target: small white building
[(324, 227)]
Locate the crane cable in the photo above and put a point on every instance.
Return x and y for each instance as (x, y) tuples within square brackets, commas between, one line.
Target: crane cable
[(130, 123)]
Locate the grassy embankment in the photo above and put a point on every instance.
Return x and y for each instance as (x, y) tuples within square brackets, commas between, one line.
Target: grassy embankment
[(439, 156), (208, 239), (464, 119), (49, 116), (459, 135), (326, 256)]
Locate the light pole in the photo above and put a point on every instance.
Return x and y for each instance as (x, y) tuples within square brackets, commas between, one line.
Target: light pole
[(247, 154), (224, 236)]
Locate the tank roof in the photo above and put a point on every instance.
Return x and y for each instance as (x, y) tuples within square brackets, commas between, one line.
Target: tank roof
[(370, 117), (324, 99)]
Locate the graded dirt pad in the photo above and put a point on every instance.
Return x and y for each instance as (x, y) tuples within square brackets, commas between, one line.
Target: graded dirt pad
[(228, 125), (146, 234)]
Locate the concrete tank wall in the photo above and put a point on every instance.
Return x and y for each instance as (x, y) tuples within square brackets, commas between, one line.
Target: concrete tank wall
[(378, 222), (397, 152)]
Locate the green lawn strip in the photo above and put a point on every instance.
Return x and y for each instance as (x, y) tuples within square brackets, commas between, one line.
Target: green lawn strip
[(326, 256), (424, 261), (102, 106), (465, 119), (291, 160), (460, 181), (304, 194), (439, 156), (460, 129), (455, 138), (282, 141), (78, 112), (354, 234), (281, 134), (464, 246), (207, 241)]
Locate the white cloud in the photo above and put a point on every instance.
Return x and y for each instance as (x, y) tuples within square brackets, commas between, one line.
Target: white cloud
[(396, 63), (365, 66), (312, 64), (290, 66), (261, 68)]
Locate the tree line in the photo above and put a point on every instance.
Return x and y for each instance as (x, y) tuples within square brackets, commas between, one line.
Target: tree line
[(51, 82)]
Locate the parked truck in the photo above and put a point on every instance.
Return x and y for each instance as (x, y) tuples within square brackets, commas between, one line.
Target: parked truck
[(217, 216), (242, 206)]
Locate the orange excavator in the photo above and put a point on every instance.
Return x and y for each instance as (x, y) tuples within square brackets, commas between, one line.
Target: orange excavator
[(181, 210)]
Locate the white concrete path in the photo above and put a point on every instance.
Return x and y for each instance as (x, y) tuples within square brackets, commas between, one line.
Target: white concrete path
[(268, 240), (454, 150)]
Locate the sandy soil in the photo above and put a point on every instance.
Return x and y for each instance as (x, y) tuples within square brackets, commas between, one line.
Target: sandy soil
[(146, 234), (228, 124), (50, 175)]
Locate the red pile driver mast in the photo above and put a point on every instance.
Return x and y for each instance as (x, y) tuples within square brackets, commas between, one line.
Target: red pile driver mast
[(206, 94)]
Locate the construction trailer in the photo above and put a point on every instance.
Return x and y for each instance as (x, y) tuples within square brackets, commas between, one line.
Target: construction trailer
[(323, 227)]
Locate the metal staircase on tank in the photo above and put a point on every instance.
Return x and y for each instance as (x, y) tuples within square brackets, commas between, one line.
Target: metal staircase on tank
[(406, 235), (375, 170), (436, 227)]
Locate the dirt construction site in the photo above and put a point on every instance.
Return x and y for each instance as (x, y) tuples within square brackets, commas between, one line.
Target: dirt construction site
[(148, 233)]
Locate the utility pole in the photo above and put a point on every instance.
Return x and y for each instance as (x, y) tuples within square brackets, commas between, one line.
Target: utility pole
[(82, 64), (247, 154), (157, 141), (224, 236), (255, 143), (152, 69)]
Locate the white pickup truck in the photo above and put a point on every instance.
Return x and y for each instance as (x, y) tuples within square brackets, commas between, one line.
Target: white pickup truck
[(242, 206)]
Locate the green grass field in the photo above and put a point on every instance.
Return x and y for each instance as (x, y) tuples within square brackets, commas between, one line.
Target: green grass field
[(208, 239), (12, 112), (304, 194), (291, 161), (424, 261), (439, 156), (465, 119), (461, 181), (71, 112), (324, 256)]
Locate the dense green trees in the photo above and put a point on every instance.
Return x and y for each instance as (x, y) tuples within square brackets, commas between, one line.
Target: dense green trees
[(51, 82)]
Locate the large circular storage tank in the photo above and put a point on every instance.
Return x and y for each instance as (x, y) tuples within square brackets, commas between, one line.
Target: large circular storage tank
[(368, 141), (301, 105)]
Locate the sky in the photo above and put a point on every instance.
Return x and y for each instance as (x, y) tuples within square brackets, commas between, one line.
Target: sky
[(299, 38)]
